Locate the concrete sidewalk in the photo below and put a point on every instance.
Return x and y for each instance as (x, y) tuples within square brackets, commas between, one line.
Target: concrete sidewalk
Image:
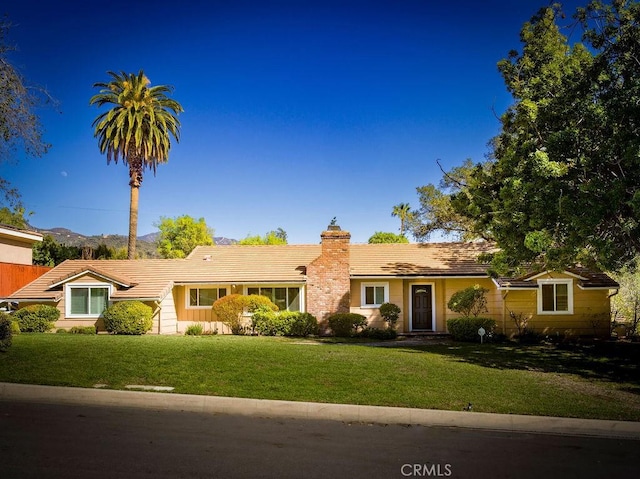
[(307, 410)]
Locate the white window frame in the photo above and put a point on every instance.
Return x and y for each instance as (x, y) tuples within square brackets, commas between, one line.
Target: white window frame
[(187, 298), (376, 284), (301, 294), (70, 287), (569, 283)]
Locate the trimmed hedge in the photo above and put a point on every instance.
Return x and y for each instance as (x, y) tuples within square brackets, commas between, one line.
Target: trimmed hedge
[(345, 325), (37, 318), (284, 323), (466, 329), (6, 333), (83, 330), (128, 317)]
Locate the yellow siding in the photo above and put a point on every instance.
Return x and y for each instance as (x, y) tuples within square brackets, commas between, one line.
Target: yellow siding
[(374, 319), (591, 312)]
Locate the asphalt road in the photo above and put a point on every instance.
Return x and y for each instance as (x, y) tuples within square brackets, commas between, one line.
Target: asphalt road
[(67, 441)]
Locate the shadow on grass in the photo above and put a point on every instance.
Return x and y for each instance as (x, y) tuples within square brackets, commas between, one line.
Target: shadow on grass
[(608, 361)]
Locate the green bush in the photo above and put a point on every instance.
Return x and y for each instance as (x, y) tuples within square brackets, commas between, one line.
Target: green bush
[(37, 318), (15, 327), (390, 313), (194, 330), (470, 301), (61, 331), (230, 309), (6, 335), (284, 323), (345, 325), (466, 329), (303, 325), (83, 330), (377, 333), (128, 317)]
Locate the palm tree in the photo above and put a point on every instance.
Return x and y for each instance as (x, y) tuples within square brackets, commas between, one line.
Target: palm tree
[(137, 130), (402, 211)]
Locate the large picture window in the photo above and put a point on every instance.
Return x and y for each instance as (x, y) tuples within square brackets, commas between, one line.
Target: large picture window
[(87, 301), (374, 294), (204, 297), (555, 297), (285, 298)]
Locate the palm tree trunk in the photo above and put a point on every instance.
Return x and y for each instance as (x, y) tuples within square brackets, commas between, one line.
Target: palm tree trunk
[(133, 222)]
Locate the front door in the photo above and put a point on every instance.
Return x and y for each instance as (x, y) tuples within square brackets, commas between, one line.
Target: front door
[(422, 307)]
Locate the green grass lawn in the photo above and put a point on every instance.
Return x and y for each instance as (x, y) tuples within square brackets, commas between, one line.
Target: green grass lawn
[(539, 380)]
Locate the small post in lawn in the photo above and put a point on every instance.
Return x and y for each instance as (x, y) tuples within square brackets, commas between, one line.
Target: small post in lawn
[(481, 332)]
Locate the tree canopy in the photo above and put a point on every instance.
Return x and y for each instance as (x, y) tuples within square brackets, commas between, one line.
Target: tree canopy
[(20, 127), (137, 129), (179, 236), (383, 237), (560, 185), (278, 236)]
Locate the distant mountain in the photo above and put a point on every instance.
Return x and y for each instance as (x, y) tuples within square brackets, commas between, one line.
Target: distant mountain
[(146, 244)]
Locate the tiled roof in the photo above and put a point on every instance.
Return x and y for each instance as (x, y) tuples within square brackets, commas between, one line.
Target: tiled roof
[(422, 259), (585, 278), (154, 278)]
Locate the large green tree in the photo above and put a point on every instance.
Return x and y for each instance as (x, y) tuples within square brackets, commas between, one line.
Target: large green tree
[(20, 127), (137, 129), (560, 185), (179, 236)]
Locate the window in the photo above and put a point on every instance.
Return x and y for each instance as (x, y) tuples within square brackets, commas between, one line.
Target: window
[(374, 294), (555, 296), (285, 298), (87, 301), (204, 297)]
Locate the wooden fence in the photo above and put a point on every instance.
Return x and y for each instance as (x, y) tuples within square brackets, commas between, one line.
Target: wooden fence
[(15, 276)]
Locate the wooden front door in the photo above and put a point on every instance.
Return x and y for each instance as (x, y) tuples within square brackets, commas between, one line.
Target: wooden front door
[(422, 308)]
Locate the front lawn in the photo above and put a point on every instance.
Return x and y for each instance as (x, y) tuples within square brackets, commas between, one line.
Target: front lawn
[(538, 380)]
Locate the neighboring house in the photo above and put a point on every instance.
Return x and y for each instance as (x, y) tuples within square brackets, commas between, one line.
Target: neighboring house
[(16, 256), (16, 245), (333, 276)]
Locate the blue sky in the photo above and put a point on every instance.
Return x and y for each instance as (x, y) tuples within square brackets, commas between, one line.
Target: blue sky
[(295, 111)]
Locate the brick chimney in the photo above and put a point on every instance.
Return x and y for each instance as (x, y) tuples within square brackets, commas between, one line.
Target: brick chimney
[(328, 279)]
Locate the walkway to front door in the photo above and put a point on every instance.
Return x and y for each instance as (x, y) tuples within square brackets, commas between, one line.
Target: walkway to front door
[(422, 307)]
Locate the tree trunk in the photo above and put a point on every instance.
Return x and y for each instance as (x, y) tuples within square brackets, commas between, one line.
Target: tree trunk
[(133, 222)]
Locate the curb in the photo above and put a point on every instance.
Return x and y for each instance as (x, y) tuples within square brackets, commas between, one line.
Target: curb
[(323, 411)]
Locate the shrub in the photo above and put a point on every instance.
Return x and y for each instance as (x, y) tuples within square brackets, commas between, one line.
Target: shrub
[(284, 323), (83, 330), (128, 317), (466, 329), (470, 301), (377, 333), (230, 309), (194, 330), (390, 313), (15, 327), (61, 331), (37, 318), (345, 325), (303, 325), (6, 335)]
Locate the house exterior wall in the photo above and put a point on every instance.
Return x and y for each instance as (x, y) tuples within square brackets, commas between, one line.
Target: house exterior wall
[(591, 312), (374, 320), (443, 289), (18, 252), (165, 321), (328, 277)]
